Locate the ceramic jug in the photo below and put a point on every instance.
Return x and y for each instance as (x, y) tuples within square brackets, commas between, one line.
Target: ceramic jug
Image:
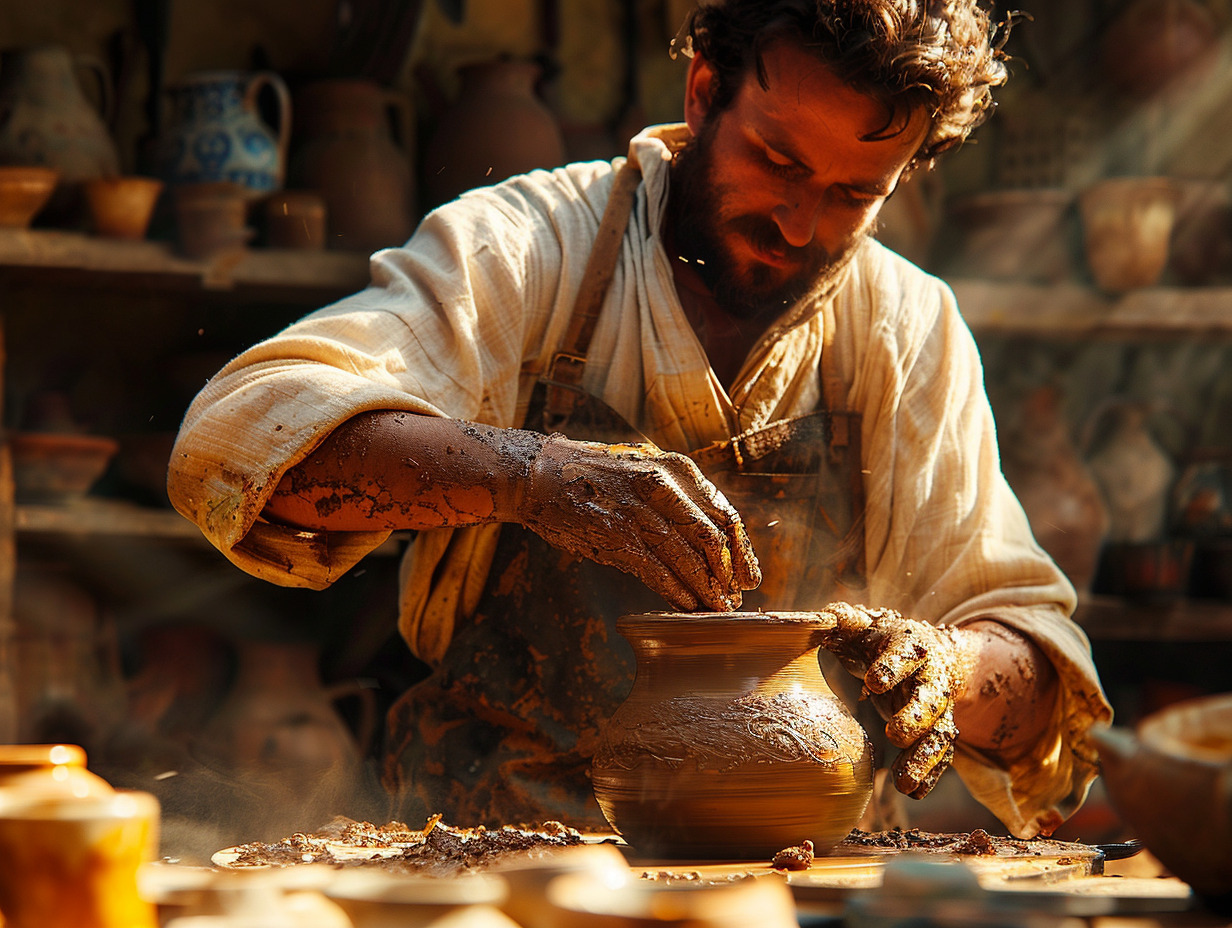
[(730, 745), (46, 119), (352, 140), (497, 127), (279, 733), (215, 132)]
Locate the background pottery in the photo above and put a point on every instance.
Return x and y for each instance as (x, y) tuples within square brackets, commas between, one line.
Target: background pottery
[(731, 745), (495, 129), (352, 139), (121, 207), (24, 191), (1127, 230), (1171, 781), (215, 132), (46, 120)]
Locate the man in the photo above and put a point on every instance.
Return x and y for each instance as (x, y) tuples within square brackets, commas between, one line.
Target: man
[(766, 392)]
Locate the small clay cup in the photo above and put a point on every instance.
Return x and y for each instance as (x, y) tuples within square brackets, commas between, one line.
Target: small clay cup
[(121, 207), (730, 745), (211, 218), (24, 191), (295, 219)]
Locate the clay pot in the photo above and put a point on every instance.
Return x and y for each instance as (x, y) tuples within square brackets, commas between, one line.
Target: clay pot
[(59, 466), (731, 745), (1126, 230), (295, 219), (46, 120), (48, 770), (211, 219), (1062, 501), (1152, 43), (495, 129), (352, 144), (278, 731), (215, 133), (121, 207), (1171, 782)]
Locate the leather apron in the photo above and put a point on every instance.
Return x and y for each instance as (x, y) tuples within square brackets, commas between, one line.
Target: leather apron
[(503, 730)]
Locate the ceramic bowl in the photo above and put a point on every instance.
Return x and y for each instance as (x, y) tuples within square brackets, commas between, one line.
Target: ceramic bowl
[(23, 192), (1171, 782), (59, 466), (121, 207), (1127, 230), (375, 899)]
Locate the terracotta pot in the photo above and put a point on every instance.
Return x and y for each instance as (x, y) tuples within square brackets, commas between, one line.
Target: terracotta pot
[(121, 207), (59, 465), (352, 144), (1152, 43), (211, 219), (1126, 230), (1061, 499), (1171, 782), (48, 769), (495, 129), (279, 733), (731, 745)]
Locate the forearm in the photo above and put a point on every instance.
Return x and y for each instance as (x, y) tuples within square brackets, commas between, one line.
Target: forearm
[(1009, 693), (397, 470)]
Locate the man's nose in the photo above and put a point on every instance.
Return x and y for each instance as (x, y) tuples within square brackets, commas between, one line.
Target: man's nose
[(797, 220)]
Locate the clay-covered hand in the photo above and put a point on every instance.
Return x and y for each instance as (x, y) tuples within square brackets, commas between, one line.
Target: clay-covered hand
[(912, 672), (645, 511)]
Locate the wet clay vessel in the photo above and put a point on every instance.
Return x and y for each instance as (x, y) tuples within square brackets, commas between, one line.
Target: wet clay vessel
[(730, 745)]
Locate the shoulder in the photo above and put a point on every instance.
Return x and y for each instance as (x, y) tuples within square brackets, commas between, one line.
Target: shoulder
[(895, 295)]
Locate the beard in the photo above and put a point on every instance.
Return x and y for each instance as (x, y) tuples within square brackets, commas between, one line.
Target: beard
[(705, 230)]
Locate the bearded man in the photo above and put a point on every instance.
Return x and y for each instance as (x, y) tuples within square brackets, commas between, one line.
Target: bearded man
[(580, 388)]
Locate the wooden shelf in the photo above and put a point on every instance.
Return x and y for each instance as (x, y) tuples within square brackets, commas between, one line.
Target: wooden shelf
[(34, 252), (89, 516), (1071, 310), (1107, 618)]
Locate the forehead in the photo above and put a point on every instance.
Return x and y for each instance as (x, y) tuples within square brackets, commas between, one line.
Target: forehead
[(805, 102)]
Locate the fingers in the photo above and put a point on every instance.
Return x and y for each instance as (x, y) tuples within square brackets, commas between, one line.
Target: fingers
[(918, 767)]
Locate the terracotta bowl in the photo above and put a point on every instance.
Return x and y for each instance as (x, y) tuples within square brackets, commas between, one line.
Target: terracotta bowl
[(23, 192), (1171, 781), (59, 466), (121, 207), (1127, 230)]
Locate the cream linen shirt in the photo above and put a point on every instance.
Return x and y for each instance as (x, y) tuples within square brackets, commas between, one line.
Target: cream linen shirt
[(464, 318)]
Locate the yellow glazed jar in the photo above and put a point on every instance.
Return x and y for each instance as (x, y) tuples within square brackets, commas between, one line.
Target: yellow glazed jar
[(48, 769)]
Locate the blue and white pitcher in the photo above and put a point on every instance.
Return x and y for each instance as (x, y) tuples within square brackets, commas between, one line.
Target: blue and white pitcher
[(215, 133)]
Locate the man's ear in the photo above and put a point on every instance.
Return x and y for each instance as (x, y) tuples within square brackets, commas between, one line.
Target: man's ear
[(698, 93)]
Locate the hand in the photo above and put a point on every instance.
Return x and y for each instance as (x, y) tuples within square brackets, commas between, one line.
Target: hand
[(912, 672), (647, 512)]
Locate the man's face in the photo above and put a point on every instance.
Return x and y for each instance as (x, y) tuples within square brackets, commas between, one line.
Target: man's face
[(774, 192)]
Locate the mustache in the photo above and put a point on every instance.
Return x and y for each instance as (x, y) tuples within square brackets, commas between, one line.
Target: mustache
[(765, 236)]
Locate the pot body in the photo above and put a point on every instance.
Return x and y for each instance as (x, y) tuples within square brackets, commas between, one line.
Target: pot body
[(730, 745), (215, 132), (352, 143)]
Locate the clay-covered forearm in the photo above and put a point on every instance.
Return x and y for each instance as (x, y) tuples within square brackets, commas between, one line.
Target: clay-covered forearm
[(1010, 693), (398, 470)]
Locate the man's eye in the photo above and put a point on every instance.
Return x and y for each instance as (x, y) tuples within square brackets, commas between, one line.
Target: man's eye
[(782, 165)]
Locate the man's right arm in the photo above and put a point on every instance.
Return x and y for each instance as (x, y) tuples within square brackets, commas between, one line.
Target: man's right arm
[(647, 512)]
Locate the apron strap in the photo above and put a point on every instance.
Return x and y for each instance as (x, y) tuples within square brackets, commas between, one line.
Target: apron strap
[(570, 359)]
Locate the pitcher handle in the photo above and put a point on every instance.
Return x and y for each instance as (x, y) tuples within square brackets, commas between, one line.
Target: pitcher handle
[(106, 92), (259, 81)]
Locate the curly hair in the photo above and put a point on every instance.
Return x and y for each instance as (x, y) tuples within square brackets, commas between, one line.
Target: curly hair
[(943, 55)]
